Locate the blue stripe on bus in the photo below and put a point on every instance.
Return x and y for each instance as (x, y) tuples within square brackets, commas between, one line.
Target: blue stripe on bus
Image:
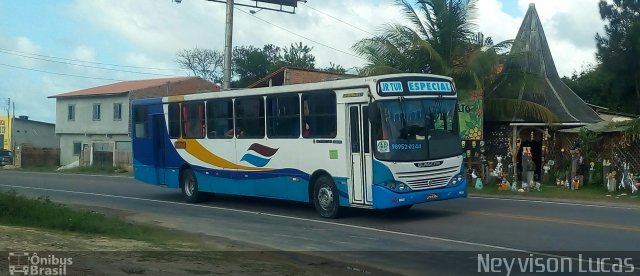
[(381, 173), (274, 184), (384, 198)]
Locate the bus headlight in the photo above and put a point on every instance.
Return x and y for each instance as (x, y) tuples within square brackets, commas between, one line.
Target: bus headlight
[(396, 186), (455, 180)]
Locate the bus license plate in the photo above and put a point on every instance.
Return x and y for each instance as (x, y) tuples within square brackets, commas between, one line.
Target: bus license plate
[(432, 196)]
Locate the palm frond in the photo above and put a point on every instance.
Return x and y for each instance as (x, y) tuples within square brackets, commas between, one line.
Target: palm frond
[(411, 15), (503, 109)]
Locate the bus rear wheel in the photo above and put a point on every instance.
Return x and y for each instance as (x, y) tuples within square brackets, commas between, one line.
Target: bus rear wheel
[(326, 197), (190, 191)]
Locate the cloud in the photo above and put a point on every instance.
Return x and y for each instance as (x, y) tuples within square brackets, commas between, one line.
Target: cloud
[(569, 25), (84, 53), (494, 22), (161, 28)]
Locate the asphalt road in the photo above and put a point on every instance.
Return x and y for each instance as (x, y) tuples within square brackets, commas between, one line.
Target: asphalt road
[(441, 237)]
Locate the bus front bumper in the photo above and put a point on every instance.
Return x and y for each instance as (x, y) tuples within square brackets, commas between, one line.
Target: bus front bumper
[(384, 198)]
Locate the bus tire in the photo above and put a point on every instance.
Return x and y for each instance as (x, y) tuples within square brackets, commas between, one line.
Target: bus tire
[(189, 185), (326, 198)]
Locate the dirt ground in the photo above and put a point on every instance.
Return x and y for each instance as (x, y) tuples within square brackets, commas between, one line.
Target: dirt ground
[(199, 255)]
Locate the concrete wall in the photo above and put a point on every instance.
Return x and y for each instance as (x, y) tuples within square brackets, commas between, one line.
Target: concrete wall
[(84, 123), (37, 134), (66, 144)]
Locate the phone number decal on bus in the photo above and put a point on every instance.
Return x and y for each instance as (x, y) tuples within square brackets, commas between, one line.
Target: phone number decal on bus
[(406, 146)]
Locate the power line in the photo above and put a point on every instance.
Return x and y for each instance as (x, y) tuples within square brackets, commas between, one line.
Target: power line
[(93, 62), (338, 19), (56, 73), (301, 36), (83, 65)]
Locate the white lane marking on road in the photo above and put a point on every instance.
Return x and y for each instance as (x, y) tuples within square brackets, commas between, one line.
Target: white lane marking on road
[(366, 238), (292, 237), (554, 202), (326, 222)]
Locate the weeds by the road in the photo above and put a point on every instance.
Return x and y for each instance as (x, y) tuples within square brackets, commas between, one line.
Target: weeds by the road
[(99, 243), (98, 170), (589, 193), (19, 210)]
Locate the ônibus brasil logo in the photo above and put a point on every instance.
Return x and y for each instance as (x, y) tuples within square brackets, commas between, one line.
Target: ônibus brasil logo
[(24, 263)]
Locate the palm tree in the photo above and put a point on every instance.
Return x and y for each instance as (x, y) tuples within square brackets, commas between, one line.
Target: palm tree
[(441, 38)]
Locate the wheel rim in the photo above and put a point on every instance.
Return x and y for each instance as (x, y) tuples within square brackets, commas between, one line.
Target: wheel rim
[(189, 186), (325, 197)]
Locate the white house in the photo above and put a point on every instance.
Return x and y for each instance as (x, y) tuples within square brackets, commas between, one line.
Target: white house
[(93, 124)]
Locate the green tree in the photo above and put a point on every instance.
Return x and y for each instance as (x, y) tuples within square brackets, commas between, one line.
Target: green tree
[(335, 68), (251, 64), (594, 85), (299, 55), (619, 47), (441, 38), (204, 63)]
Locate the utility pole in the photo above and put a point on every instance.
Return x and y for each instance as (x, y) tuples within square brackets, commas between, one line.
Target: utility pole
[(228, 41), (286, 6)]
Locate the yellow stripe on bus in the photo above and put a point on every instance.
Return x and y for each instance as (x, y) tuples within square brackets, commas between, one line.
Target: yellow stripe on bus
[(179, 98), (198, 151)]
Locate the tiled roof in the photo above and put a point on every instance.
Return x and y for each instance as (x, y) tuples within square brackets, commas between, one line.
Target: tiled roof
[(282, 69), (121, 87)]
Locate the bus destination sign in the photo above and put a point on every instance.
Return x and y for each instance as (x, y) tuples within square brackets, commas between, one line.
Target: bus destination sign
[(429, 86), (409, 86), (391, 87)]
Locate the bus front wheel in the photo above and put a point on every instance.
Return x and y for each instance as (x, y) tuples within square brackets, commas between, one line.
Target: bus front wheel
[(326, 198), (190, 191)]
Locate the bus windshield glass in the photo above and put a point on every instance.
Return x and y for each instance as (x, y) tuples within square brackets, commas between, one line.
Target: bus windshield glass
[(416, 130)]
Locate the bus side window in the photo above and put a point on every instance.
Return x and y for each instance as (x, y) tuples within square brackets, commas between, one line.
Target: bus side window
[(283, 116), (140, 120), (319, 115), (193, 120), (174, 120), (219, 118), (250, 117)]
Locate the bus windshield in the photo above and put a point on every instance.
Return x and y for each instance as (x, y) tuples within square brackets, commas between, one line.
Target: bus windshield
[(416, 130)]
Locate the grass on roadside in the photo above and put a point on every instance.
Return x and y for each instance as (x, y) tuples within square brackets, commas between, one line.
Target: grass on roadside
[(586, 193), (18, 210)]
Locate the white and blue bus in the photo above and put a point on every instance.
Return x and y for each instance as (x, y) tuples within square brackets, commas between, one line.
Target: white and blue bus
[(380, 142)]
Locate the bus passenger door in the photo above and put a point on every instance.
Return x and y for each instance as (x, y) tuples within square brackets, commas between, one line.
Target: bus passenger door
[(361, 163), (159, 135)]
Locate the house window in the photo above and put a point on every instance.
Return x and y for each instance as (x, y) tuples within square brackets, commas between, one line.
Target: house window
[(319, 115), (77, 147), (193, 120), (250, 117), (220, 119), (283, 116), (96, 112), (117, 111), (71, 112)]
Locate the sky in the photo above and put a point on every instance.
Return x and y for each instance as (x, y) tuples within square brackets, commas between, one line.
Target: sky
[(53, 47)]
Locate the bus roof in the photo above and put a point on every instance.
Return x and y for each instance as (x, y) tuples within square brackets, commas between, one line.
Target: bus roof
[(324, 85)]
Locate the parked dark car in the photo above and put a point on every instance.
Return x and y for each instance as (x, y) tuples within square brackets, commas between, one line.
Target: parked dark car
[(6, 158)]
